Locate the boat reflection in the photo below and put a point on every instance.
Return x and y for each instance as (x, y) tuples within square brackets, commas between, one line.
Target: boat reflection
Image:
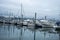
[(16, 32)]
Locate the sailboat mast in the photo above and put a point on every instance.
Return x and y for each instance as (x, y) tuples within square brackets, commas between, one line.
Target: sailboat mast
[(21, 9), (21, 14)]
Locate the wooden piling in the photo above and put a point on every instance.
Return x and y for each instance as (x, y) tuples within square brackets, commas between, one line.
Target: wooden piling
[(35, 19)]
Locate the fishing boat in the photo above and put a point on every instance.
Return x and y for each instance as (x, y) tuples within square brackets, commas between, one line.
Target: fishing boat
[(47, 24)]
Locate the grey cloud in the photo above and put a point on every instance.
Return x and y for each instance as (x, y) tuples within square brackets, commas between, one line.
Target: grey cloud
[(42, 7)]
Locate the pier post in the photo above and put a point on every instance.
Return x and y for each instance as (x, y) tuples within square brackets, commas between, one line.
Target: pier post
[(45, 17), (35, 19)]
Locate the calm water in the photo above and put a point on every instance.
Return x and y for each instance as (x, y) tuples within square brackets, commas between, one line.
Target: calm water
[(11, 32)]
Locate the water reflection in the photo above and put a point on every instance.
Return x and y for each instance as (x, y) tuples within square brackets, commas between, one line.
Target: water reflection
[(16, 32)]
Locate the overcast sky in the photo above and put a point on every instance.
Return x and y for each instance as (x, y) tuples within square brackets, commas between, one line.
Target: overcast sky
[(50, 8)]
